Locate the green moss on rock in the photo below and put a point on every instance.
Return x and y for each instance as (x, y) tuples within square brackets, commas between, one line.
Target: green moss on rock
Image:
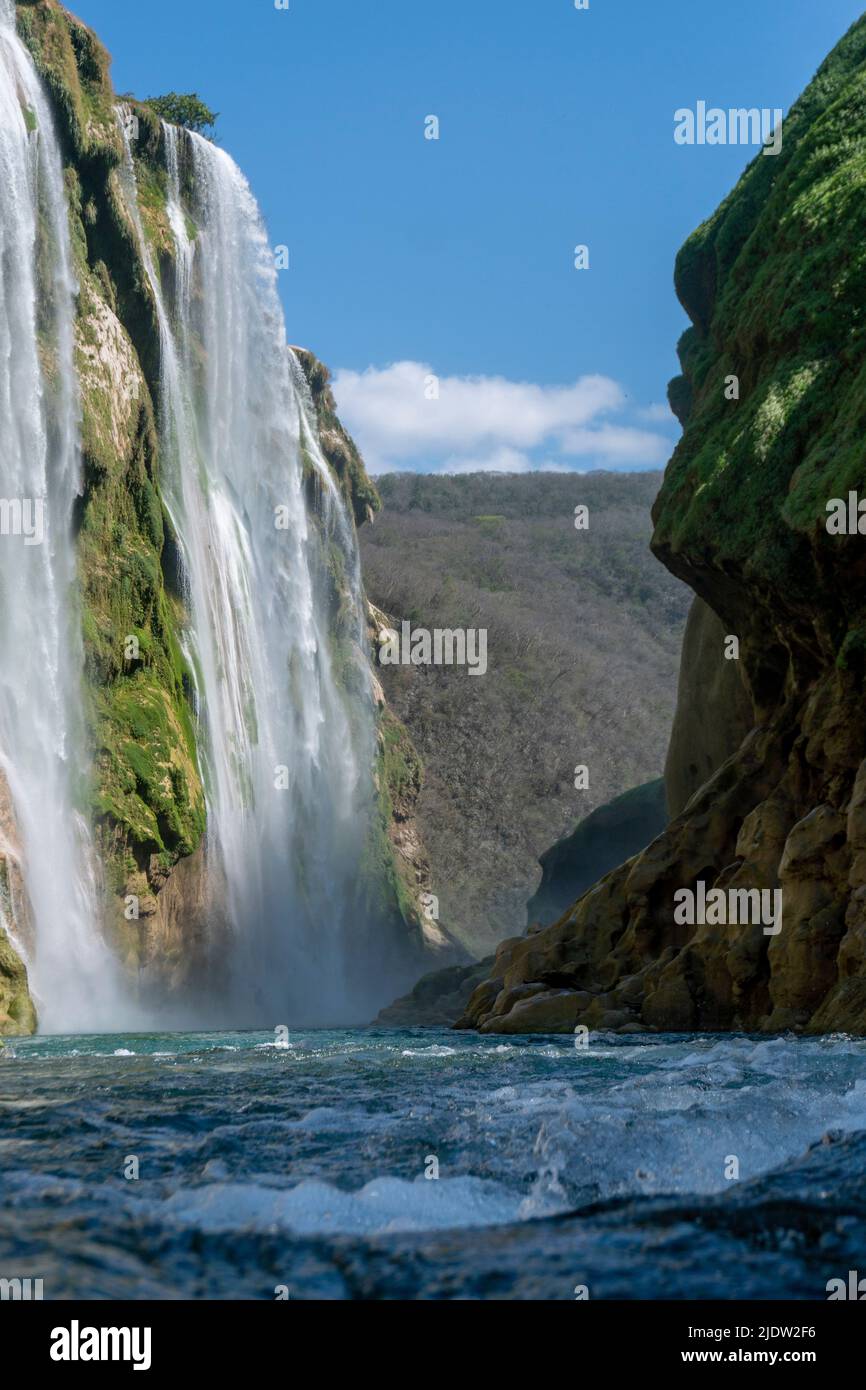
[(338, 447), (147, 793), (388, 879), (147, 796), (147, 778), (75, 68), (773, 283), (17, 1014)]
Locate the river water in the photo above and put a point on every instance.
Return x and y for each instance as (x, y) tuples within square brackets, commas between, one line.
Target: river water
[(306, 1167)]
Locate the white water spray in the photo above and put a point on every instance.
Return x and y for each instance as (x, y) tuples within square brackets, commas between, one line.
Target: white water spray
[(288, 768), (73, 977)]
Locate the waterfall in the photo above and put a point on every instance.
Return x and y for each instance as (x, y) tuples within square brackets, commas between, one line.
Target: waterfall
[(45, 844), (287, 757)]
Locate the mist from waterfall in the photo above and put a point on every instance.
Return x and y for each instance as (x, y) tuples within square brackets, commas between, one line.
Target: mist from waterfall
[(287, 757), (50, 903)]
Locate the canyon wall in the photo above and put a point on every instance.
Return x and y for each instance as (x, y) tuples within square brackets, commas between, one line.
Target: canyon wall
[(771, 397)]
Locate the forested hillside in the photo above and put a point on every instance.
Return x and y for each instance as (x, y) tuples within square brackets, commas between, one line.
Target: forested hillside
[(584, 632)]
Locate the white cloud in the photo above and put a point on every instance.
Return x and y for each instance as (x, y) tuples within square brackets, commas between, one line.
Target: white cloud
[(502, 460), (489, 423), (619, 445), (658, 414)]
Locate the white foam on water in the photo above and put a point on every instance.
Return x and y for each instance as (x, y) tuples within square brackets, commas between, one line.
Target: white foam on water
[(386, 1204)]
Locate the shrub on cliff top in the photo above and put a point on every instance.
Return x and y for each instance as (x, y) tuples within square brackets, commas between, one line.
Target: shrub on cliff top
[(185, 109)]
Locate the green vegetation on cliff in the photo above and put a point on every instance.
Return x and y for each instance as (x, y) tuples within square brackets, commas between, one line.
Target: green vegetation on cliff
[(147, 798), (400, 776), (337, 445), (772, 800), (773, 283), (17, 1014), (74, 66), (147, 793), (184, 109)]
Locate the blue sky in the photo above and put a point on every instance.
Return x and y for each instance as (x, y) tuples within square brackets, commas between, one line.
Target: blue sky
[(454, 258)]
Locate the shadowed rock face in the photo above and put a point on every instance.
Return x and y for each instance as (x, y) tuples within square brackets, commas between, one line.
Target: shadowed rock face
[(601, 841), (438, 999), (773, 284), (570, 866), (714, 712)]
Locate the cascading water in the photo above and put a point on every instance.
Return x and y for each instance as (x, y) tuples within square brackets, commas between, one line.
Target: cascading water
[(288, 769), (54, 921)]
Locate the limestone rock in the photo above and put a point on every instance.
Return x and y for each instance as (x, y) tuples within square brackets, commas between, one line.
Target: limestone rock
[(438, 1000), (741, 517), (602, 840), (714, 712)]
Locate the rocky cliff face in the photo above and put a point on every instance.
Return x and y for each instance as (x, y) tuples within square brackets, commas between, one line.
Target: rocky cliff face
[(147, 800), (17, 1014), (602, 840), (771, 398), (714, 712)]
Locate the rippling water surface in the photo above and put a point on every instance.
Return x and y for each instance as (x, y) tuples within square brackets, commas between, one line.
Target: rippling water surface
[(305, 1165)]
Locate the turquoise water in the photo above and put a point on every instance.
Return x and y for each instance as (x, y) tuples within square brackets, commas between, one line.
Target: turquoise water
[(306, 1166)]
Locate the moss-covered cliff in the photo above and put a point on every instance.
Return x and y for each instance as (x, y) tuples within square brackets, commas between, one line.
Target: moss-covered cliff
[(337, 445), (146, 799), (17, 1014), (773, 400)]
